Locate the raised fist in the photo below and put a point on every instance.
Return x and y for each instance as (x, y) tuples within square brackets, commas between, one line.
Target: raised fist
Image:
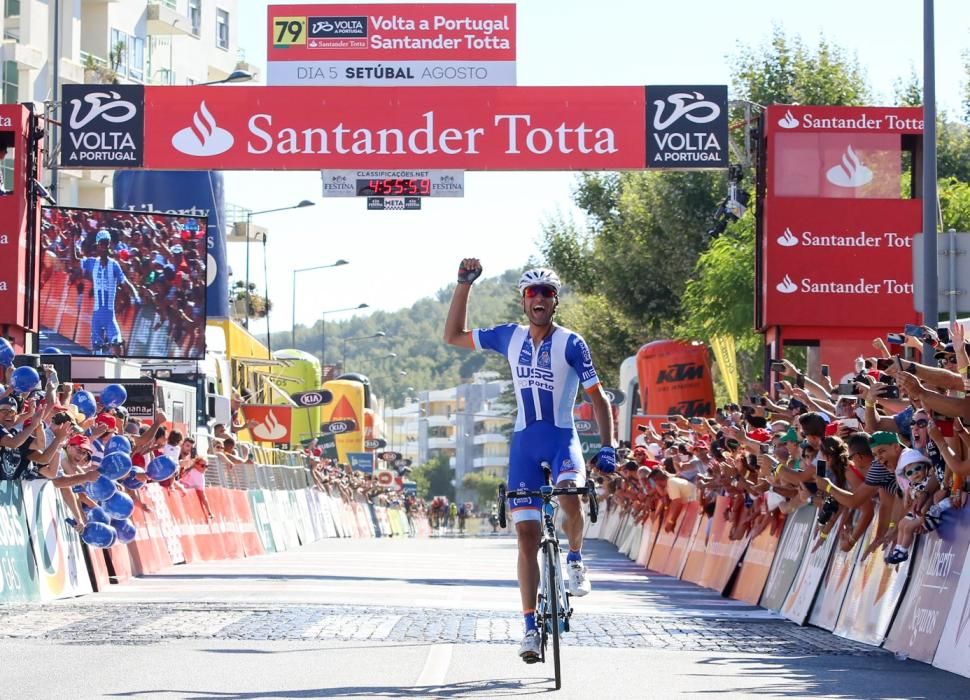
[(469, 270)]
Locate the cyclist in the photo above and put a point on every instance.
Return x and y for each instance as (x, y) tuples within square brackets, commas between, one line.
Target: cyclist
[(548, 364), (106, 276)]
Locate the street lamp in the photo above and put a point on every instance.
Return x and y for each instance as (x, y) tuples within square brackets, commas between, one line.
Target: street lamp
[(323, 334), (237, 76), (249, 236), (308, 269), (343, 359)]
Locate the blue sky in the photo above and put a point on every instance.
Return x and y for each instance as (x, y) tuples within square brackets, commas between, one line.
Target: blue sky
[(399, 257)]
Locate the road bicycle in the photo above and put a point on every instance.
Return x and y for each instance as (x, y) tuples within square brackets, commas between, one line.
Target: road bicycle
[(553, 609)]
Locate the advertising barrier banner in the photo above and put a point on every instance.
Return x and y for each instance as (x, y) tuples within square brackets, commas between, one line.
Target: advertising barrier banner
[(784, 568), (18, 570), (677, 558), (802, 594), (755, 567), (697, 552), (835, 585), (57, 547), (936, 571), (723, 553), (873, 594), (416, 44)]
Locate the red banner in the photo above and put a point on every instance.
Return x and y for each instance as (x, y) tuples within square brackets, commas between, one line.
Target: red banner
[(469, 128), (274, 422), (14, 126)]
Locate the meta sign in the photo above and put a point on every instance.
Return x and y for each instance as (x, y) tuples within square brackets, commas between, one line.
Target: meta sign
[(446, 128), (837, 232), (368, 45)]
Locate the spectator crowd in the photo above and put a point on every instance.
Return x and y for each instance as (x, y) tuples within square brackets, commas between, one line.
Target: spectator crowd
[(889, 432)]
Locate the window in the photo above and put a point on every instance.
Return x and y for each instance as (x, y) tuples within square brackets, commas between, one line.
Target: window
[(195, 16), (136, 58), (222, 29), (11, 83), (11, 8), (127, 55)]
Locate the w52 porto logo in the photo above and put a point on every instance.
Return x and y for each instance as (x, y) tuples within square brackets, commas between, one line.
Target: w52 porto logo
[(681, 372)]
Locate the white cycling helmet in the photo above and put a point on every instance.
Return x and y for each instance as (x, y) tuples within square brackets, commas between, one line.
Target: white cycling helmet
[(539, 275)]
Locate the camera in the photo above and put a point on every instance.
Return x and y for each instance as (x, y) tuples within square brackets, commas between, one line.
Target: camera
[(829, 508)]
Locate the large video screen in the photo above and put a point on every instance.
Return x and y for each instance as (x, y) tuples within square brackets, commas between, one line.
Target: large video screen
[(122, 283)]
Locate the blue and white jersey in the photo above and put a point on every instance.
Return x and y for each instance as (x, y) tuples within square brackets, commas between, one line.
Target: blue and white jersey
[(546, 379), (105, 279)]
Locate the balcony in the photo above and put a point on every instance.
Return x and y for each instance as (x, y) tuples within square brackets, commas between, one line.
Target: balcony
[(162, 20), (491, 461), (26, 57), (439, 443), (438, 421), (490, 438)]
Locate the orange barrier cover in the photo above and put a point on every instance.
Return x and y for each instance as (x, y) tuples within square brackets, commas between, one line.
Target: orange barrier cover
[(697, 552), (685, 531), (755, 567)]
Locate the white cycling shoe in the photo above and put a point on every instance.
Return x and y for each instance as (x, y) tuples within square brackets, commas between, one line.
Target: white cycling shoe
[(529, 649), (578, 582)]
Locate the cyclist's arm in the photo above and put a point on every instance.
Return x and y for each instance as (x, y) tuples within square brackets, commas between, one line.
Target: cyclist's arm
[(456, 325), (602, 412)]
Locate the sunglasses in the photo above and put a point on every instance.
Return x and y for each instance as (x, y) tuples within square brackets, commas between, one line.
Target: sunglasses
[(921, 423), (914, 470), (539, 290)]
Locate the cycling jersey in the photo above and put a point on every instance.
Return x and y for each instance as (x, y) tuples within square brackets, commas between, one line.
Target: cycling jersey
[(105, 280), (545, 379)]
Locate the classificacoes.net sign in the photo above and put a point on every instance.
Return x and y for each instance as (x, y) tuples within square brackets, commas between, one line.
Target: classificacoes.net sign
[(448, 44), (504, 128)]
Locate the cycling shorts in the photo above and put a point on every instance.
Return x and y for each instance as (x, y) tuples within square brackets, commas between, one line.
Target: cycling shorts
[(542, 442), (104, 328)]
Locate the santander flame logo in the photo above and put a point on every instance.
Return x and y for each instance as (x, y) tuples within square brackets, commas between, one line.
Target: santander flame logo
[(204, 137), (270, 429), (850, 172), (786, 286), (789, 121), (787, 239)]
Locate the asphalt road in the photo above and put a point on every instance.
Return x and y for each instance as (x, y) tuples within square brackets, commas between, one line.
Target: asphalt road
[(420, 618)]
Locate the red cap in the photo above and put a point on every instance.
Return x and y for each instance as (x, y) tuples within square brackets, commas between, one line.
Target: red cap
[(832, 428), (317, 452), (760, 435), (82, 442), (108, 421)]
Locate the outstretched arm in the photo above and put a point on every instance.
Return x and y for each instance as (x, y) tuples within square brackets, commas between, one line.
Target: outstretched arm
[(456, 325)]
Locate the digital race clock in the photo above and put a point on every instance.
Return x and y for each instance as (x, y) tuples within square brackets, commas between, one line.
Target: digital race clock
[(394, 187)]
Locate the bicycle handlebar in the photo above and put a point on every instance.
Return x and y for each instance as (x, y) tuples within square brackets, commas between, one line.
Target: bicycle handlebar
[(565, 491)]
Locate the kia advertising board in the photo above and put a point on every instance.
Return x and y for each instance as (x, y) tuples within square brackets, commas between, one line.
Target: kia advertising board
[(366, 45), (457, 128)]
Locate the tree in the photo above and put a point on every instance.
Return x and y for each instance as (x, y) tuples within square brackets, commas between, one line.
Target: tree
[(434, 478), (485, 487)]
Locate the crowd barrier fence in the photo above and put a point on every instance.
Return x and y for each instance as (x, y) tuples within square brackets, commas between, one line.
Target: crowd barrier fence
[(256, 508), (919, 609)]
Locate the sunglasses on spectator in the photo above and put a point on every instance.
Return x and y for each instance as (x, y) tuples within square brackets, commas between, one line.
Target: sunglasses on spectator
[(915, 469), (921, 423), (539, 290)]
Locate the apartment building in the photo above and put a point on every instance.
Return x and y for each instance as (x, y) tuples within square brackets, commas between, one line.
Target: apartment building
[(155, 42)]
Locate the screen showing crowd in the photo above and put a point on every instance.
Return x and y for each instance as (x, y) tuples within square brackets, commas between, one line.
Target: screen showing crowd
[(122, 283)]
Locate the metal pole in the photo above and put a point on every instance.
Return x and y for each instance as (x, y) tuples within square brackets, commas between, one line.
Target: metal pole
[(249, 234), (930, 285), (293, 325), (952, 291), (269, 343), (323, 346), (55, 89)]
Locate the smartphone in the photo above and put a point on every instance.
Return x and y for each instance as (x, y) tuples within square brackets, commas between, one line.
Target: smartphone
[(850, 423), (820, 467), (896, 338), (779, 387), (945, 425), (766, 448), (847, 389), (800, 381), (763, 401), (915, 331), (642, 428), (777, 366), (825, 370), (884, 363), (666, 426), (890, 392), (697, 421)]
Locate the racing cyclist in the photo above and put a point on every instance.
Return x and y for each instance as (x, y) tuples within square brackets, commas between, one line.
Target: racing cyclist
[(548, 364)]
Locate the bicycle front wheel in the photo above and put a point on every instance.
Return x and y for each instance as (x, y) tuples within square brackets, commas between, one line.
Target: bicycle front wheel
[(554, 605)]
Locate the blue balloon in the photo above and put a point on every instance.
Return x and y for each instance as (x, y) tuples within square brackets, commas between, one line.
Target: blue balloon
[(7, 353), (98, 535), (85, 403), (126, 531), (115, 466), (161, 468), (119, 443), (25, 379), (113, 395), (131, 481), (119, 506), (101, 489), (97, 515), (51, 351)]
